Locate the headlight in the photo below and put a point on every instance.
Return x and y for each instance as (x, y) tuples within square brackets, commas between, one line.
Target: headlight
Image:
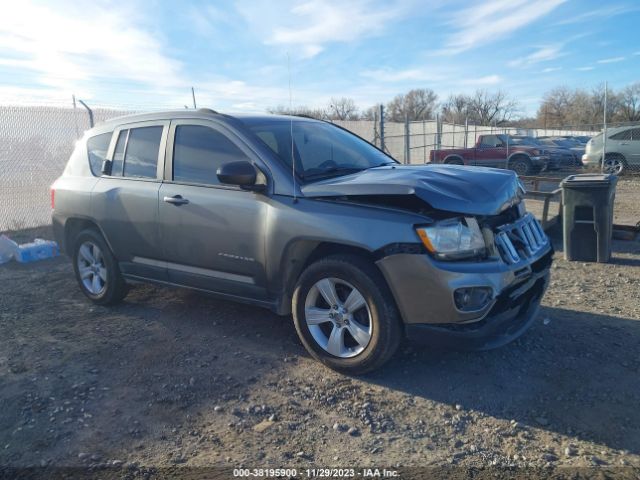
[(453, 239)]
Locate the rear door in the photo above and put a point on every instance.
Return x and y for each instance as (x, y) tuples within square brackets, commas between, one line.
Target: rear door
[(628, 145), (212, 234), (125, 203)]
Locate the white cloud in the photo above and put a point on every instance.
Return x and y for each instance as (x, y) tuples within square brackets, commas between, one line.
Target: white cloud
[(551, 69), (66, 50), (482, 81), (105, 57), (543, 54), (597, 14), (387, 75), (486, 22), (305, 27), (611, 60), (585, 69)]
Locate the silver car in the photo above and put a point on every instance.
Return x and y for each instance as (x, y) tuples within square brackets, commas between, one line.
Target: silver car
[(623, 150), (308, 220)]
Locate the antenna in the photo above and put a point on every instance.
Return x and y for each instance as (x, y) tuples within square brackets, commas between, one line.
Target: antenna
[(293, 158)]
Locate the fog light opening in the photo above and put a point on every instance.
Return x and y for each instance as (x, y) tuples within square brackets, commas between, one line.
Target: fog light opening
[(470, 299)]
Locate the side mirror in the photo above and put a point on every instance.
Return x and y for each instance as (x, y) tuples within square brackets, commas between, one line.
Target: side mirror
[(106, 167), (240, 173)]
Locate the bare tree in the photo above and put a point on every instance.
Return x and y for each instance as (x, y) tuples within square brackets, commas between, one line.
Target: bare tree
[(564, 107), (417, 104), (370, 113), (629, 103), (342, 108), (488, 108), (456, 108), (300, 110), (555, 107)]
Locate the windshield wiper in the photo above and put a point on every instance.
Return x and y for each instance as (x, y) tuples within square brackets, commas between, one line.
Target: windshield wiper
[(332, 172), (385, 164)]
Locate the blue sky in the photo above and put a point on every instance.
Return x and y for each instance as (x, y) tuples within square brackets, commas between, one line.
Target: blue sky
[(235, 53)]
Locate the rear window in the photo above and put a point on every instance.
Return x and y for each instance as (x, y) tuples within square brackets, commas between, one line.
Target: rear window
[(141, 156), (97, 150)]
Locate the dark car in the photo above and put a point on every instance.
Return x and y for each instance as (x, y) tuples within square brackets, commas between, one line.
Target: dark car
[(306, 219), (558, 156), (560, 142)]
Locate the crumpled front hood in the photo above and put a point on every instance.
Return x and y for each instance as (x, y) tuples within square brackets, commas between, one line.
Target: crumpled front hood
[(454, 188)]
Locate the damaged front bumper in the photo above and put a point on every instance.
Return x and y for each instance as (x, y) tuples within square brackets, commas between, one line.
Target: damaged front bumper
[(424, 292)]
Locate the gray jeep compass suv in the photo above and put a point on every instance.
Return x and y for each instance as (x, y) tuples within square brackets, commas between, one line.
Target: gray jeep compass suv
[(304, 218)]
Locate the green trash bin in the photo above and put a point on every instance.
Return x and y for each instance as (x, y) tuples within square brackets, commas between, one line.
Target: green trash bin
[(588, 216)]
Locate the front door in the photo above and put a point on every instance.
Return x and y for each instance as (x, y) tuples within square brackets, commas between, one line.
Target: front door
[(490, 153), (212, 234)]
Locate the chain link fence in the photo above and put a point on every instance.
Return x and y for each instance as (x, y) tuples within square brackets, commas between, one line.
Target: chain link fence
[(35, 144), (36, 141)]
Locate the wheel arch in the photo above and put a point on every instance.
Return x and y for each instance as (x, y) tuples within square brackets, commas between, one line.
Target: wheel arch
[(302, 253), (516, 155), (453, 159), (616, 154), (74, 225)]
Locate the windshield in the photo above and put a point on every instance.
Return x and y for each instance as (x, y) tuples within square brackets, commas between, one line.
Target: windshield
[(320, 149), (563, 142), (524, 141)]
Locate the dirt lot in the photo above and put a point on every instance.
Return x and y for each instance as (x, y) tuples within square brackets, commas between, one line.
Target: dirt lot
[(171, 378)]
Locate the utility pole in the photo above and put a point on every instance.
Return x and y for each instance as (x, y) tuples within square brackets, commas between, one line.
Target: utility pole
[(382, 145), (407, 145), (193, 95), (604, 129), (75, 117), (88, 110)]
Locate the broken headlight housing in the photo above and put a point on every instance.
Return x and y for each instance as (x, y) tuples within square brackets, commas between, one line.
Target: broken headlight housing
[(453, 239)]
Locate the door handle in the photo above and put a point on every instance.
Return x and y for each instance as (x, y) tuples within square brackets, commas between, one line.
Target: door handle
[(176, 200)]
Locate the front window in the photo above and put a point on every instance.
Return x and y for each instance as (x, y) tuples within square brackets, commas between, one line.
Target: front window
[(320, 150), (199, 151)]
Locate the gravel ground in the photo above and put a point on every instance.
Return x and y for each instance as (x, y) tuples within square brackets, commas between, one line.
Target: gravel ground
[(172, 378)]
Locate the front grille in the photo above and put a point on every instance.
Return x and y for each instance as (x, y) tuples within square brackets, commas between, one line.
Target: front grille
[(521, 239)]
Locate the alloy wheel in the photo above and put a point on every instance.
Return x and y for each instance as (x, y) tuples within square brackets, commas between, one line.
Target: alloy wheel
[(338, 317), (613, 165), (92, 269)]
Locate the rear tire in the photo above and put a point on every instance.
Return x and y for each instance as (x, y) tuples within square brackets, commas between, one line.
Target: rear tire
[(614, 163), (97, 270), (345, 314)]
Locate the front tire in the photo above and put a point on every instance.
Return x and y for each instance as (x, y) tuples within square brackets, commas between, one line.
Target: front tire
[(521, 165), (97, 270), (345, 315)]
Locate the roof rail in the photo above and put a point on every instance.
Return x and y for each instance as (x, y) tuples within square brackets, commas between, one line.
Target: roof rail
[(207, 110)]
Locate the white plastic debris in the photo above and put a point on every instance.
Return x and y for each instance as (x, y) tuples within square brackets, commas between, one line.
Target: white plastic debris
[(8, 249)]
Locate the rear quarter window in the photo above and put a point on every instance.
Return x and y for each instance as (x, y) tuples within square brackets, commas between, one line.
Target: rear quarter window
[(97, 148), (624, 135)]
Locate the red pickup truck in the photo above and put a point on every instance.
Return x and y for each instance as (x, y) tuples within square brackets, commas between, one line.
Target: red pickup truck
[(495, 151)]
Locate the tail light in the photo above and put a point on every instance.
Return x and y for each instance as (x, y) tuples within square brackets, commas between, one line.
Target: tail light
[(53, 198)]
